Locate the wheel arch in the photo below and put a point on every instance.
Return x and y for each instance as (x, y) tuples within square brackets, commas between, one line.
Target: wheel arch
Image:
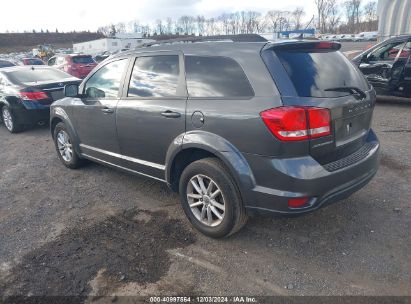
[(58, 115), (197, 145)]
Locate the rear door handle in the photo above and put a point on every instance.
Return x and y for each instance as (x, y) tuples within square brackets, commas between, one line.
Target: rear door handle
[(171, 114), (107, 110)]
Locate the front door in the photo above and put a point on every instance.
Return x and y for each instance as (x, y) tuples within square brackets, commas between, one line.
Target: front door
[(384, 65), (151, 115), (95, 113)]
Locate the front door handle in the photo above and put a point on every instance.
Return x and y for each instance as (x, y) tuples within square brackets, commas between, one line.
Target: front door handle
[(171, 114), (107, 110)]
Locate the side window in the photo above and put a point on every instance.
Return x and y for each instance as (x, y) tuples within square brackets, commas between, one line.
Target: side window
[(52, 61), (406, 51), (386, 52), (105, 83), (216, 77), (155, 76)]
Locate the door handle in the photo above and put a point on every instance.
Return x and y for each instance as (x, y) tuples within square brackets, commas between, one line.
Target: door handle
[(171, 114), (107, 110)]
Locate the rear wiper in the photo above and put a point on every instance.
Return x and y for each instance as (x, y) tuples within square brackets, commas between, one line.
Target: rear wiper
[(352, 90)]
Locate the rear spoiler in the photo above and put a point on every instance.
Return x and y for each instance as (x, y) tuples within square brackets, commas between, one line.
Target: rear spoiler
[(303, 45)]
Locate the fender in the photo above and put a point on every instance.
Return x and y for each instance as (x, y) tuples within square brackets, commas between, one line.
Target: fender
[(221, 148), (60, 113)]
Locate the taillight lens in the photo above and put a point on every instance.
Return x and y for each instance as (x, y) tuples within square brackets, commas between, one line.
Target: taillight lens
[(297, 123), (319, 121), (33, 95)]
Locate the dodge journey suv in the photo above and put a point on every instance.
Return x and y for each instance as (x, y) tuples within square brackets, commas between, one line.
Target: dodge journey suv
[(237, 128)]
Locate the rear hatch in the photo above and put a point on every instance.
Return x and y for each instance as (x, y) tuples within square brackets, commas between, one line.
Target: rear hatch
[(316, 74)]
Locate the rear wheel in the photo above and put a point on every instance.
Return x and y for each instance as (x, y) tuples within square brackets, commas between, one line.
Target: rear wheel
[(64, 147), (9, 120), (210, 198)]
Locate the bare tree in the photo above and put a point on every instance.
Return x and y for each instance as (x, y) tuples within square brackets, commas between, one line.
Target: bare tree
[(321, 7), (200, 24), (296, 17), (370, 14), (278, 20)]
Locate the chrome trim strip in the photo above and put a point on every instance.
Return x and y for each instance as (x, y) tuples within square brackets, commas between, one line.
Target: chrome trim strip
[(120, 167), (54, 89), (131, 159)]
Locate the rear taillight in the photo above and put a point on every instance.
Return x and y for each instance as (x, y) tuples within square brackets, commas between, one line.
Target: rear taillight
[(297, 123), (33, 95)]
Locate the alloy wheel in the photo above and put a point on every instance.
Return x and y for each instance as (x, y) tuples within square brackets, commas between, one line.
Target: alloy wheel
[(206, 200), (64, 145), (7, 119)]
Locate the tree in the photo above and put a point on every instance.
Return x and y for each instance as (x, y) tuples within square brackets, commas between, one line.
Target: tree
[(297, 16), (278, 20), (321, 7), (370, 13)]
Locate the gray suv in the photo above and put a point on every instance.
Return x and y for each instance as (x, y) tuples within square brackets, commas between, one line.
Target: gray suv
[(237, 128)]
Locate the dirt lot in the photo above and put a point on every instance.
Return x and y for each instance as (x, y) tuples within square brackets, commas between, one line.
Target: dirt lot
[(97, 231)]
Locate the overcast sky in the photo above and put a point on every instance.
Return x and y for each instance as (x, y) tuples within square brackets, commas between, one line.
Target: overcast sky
[(18, 15)]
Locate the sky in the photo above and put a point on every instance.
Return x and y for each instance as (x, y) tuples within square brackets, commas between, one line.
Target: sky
[(80, 15)]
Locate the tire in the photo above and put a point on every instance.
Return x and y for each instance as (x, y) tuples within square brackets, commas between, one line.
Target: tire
[(233, 214), (64, 147), (9, 120)]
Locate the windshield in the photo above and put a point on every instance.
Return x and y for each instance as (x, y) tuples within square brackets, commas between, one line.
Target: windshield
[(313, 72), (38, 75), (82, 59)]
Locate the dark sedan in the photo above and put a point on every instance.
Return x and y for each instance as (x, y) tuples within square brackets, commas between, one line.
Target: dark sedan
[(26, 93), (387, 66)]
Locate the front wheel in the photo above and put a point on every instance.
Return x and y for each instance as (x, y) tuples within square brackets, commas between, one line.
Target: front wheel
[(210, 198), (64, 147)]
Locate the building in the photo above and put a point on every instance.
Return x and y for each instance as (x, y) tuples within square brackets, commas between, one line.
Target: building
[(394, 18), (110, 45)]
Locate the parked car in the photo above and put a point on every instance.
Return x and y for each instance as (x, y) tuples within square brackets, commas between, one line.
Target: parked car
[(77, 65), (235, 128), (31, 61), (27, 92), (101, 57), (387, 66), (6, 63)]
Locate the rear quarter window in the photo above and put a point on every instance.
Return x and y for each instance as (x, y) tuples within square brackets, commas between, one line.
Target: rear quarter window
[(216, 77)]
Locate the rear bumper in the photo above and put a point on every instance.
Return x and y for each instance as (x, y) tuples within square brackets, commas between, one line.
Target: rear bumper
[(32, 116), (281, 179)]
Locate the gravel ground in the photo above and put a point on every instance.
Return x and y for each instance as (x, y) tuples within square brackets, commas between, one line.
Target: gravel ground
[(97, 231)]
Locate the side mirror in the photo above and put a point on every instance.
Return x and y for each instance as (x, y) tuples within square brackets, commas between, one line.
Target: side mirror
[(71, 90), (365, 58)]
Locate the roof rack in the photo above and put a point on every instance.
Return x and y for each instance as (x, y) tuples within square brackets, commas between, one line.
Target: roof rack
[(230, 38)]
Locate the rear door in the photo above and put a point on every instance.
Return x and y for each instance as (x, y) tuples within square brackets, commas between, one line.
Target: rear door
[(151, 113), (318, 75)]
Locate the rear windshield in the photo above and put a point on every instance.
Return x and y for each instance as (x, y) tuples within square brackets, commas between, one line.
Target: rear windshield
[(313, 72), (33, 62), (37, 75), (82, 59), (6, 64)]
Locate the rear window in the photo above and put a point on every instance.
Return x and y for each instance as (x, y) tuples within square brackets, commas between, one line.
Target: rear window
[(37, 75), (33, 62), (216, 77), (6, 64), (82, 59), (313, 72)]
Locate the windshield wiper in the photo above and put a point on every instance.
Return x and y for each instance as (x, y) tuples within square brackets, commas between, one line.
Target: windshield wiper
[(352, 90)]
